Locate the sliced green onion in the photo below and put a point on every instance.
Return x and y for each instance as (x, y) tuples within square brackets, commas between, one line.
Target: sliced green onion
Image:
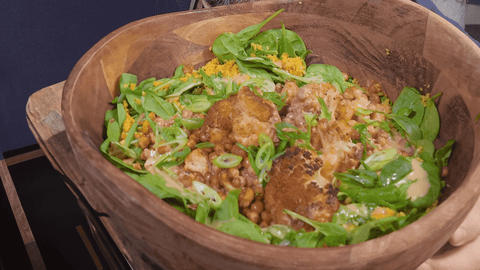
[(227, 161), (204, 145)]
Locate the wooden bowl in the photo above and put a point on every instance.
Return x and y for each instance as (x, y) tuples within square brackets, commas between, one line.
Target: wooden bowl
[(397, 43)]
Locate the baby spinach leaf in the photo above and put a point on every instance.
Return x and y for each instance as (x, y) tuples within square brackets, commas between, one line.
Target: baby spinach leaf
[(443, 154), (430, 125), (110, 114), (227, 46), (198, 103), (333, 234), (127, 79), (189, 123), (159, 106), (121, 113), (145, 85), (378, 160), (408, 126), (411, 99), (178, 72), (127, 151), (253, 72), (355, 214), (268, 42), (202, 213), (283, 45), (329, 74), (394, 171), (278, 232), (113, 131), (135, 101), (362, 178), (189, 84), (104, 147), (208, 80), (250, 32), (389, 196), (228, 210), (244, 228), (304, 239)]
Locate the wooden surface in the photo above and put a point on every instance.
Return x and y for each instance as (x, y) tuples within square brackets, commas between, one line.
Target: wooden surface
[(353, 35), (25, 231), (44, 117)]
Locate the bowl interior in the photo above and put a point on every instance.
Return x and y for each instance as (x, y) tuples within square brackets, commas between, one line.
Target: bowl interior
[(396, 43)]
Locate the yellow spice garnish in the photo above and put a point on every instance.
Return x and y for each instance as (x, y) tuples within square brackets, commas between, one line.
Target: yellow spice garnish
[(294, 65), (382, 212), (145, 127), (152, 116), (424, 99), (132, 86), (256, 46), (127, 124), (274, 58), (138, 101), (196, 74), (228, 69)]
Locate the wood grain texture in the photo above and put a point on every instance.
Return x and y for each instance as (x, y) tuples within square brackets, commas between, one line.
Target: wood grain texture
[(45, 121), (22, 223), (354, 35)]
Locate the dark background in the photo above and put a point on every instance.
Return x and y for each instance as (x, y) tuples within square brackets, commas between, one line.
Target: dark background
[(40, 43), (42, 40)]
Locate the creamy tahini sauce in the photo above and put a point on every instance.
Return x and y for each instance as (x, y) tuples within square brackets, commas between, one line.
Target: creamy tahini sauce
[(419, 188)]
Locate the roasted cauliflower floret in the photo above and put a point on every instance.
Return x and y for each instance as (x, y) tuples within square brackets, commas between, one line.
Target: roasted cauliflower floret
[(296, 185), (242, 117), (197, 161)]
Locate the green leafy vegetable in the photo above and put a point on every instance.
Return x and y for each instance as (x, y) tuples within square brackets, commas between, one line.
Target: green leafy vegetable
[(227, 160)]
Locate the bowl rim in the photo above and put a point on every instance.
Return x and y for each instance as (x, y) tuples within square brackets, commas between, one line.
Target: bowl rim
[(445, 212)]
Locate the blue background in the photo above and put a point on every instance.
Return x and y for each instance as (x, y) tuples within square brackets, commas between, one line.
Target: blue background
[(42, 40)]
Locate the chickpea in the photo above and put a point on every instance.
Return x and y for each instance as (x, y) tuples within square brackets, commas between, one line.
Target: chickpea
[(250, 181), (263, 224), (246, 197), (246, 163), (266, 216), (128, 161), (444, 171), (219, 149), (232, 173), (212, 156), (187, 113), (254, 217), (239, 182), (137, 166), (214, 183), (191, 143), (204, 137), (257, 207)]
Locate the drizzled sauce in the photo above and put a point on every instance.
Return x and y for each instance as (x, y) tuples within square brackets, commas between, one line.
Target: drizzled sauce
[(419, 188)]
